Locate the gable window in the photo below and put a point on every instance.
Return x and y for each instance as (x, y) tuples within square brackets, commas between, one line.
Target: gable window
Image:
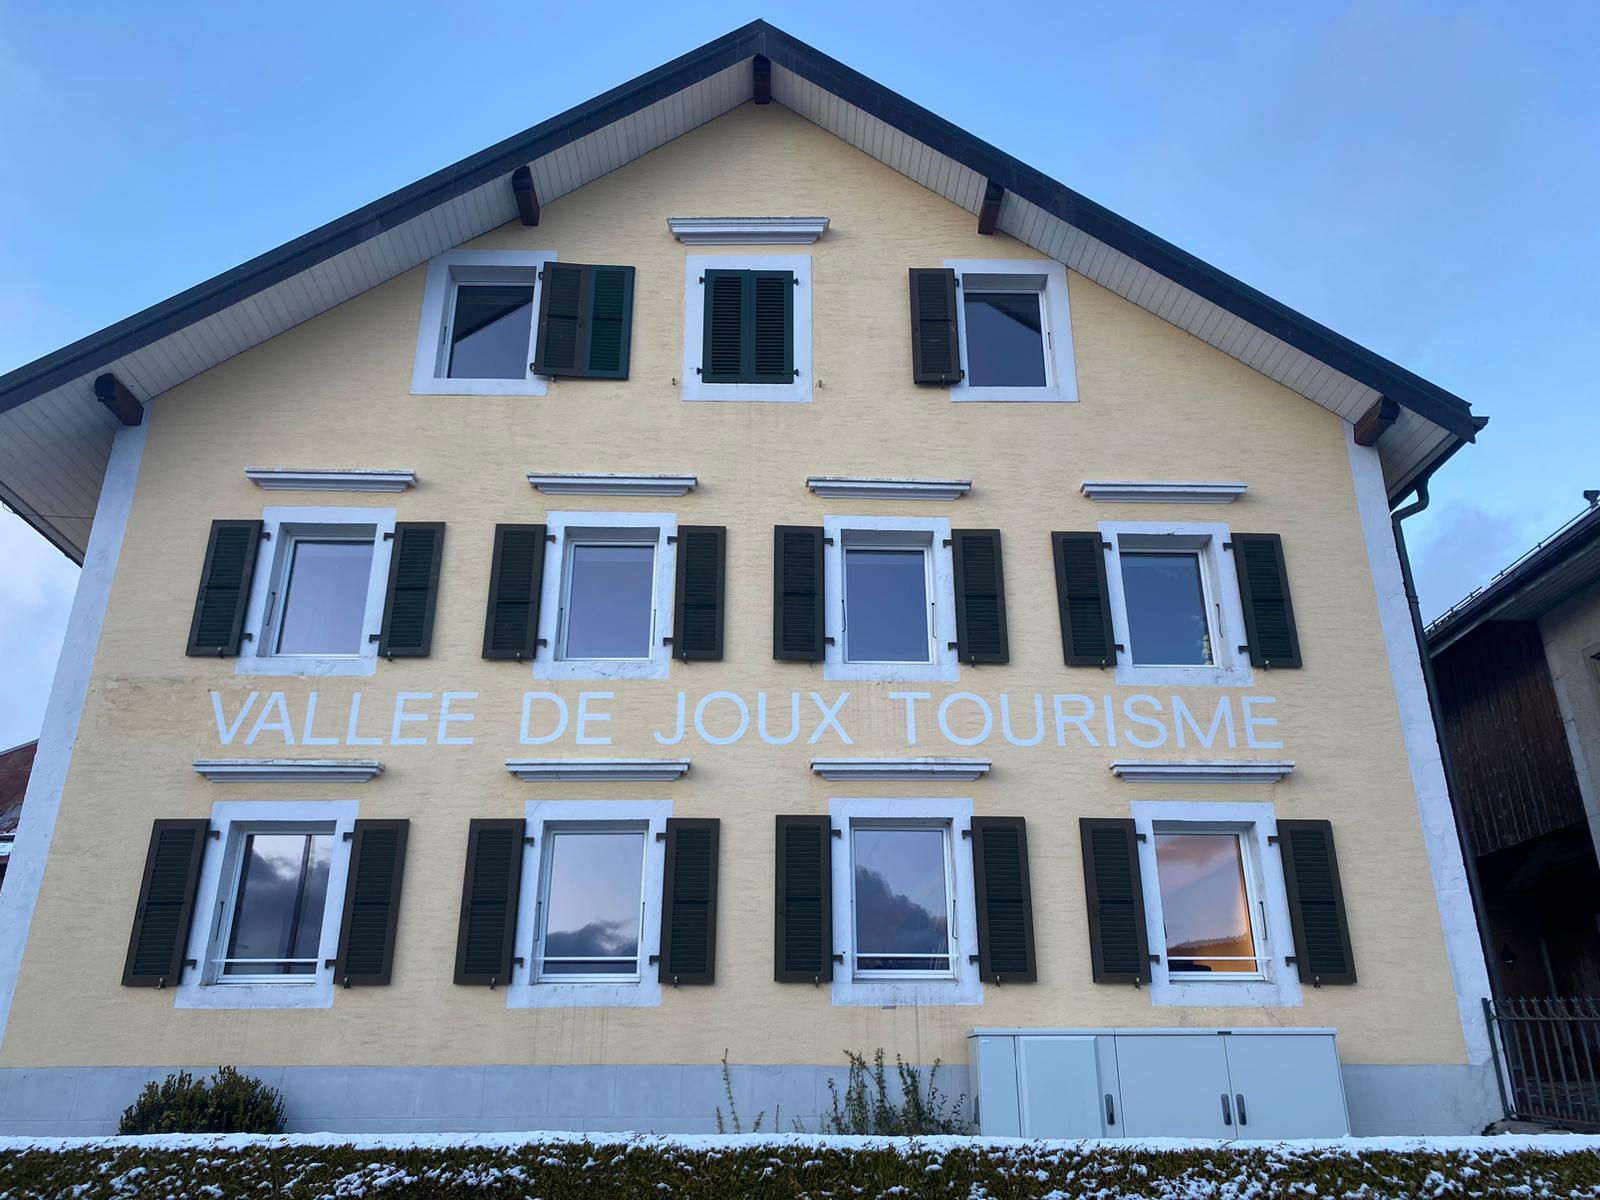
[(1207, 904), (324, 593), (887, 613), (890, 599), (747, 327), (477, 334), (277, 902), (1168, 613), (1015, 331), (592, 909), (901, 900)]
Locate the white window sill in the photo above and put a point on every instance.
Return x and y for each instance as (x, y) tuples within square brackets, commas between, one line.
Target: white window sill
[(603, 668), (1165, 992), (537, 385), (306, 664), (848, 672), (770, 393), (1009, 395), (1129, 675)]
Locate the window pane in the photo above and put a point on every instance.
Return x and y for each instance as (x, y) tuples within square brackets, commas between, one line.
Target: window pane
[(1166, 609), (609, 600), (278, 909), (491, 332), (325, 602), (592, 903), (1204, 903), (886, 605), (902, 921), (1005, 342)]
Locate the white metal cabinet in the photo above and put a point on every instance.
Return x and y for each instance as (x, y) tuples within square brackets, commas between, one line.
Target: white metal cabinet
[(1059, 1086), (1174, 1085), (1285, 1086)]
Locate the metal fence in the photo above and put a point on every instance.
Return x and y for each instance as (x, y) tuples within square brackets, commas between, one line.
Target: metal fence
[(1547, 1059)]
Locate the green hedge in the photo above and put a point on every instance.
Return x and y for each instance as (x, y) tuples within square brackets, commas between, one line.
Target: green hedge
[(819, 1168)]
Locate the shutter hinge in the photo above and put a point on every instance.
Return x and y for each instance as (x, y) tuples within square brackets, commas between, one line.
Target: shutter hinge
[(528, 841), (329, 962), (667, 641), (827, 541), (517, 962), (1155, 958), (828, 641), (661, 837), (1107, 546), (967, 833), (838, 958), (972, 958), (349, 835), (373, 637), (654, 959), (947, 542), (797, 372), (1245, 649), (952, 645), (672, 539), (266, 535), (388, 535), (1272, 839), (1227, 545), (213, 833), (1139, 837), (838, 833)]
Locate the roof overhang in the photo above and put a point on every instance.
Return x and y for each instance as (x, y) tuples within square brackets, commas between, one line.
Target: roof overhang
[(55, 437)]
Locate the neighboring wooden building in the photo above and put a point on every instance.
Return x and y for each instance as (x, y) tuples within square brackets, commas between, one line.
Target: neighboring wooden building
[(16, 764), (1517, 668)]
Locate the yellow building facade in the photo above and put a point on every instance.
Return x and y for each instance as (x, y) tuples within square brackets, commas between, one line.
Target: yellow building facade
[(724, 743)]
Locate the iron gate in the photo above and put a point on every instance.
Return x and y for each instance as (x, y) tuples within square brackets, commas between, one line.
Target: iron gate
[(1547, 1059)]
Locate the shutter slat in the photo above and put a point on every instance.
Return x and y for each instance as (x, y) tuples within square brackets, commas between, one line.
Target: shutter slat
[(722, 357), (610, 322), (490, 891), (219, 607), (1118, 949), (772, 341), (698, 620), (689, 902), (1264, 591), (1316, 903), (797, 625), (935, 346), (511, 624), (803, 904), (413, 589), (1005, 900), (372, 903), (980, 596), (1085, 603), (162, 916), (560, 332)]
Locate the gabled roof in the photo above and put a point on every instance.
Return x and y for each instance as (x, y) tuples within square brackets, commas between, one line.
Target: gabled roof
[(55, 437)]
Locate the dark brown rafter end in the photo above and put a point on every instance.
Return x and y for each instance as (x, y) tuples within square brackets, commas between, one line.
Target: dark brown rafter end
[(989, 214), (109, 390), (761, 70), (527, 198), (1376, 420)]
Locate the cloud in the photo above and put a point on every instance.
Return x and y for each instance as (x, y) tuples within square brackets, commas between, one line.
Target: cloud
[(36, 588), (1464, 548)]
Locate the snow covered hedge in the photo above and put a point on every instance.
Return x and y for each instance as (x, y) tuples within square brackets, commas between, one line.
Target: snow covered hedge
[(556, 1166)]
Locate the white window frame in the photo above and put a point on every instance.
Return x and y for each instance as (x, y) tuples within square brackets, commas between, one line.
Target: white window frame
[(691, 387), (928, 533), (562, 530), (446, 272), (551, 832), (1055, 310), (1256, 825), (525, 990), (202, 987), (1230, 666), (280, 528), (867, 824), (961, 985)]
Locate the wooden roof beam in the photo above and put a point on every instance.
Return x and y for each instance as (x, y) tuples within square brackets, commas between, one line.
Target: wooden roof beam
[(124, 405), (1375, 422), (761, 71), (527, 198), (989, 214)]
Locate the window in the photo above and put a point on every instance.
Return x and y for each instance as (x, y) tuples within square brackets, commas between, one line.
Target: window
[(886, 606), (1016, 331), (323, 606), (890, 599), (747, 327), (1165, 594), (477, 331), (606, 605), (900, 893), (277, 902), (593, 904), (1206, 904)]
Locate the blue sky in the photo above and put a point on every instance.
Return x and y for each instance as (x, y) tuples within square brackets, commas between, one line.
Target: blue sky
[(1421, 177)]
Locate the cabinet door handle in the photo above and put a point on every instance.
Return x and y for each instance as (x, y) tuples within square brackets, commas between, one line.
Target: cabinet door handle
[(1111, 1110), (1227, 1110), (1238, 1100)]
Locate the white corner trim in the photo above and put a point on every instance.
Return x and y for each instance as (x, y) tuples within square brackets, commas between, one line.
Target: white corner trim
[(856, 770), (597, 770), (64, 710), (747, 231), (288, 770), (863, 487), (1158, 491), (334, 479), (1445, 861), (610, 483), (1198, 771)]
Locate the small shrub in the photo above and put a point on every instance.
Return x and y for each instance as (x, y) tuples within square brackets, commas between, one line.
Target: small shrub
[(868, 1107), (733, 1110), (180, 1103)]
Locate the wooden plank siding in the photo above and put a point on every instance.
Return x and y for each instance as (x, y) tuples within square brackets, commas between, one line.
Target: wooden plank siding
[(1513, 767)]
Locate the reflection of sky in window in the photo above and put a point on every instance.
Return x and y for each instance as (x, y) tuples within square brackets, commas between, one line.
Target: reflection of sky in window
[(592, 902), (886, 599), (325, 609), (1203, 901), (609, 601), (900, 892), (1005, 345), (1166, 609), (491, 333), (283, 891)]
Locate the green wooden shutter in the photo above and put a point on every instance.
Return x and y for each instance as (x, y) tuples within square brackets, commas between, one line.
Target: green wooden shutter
[(561, 304), (771, 325), (797, 598), (372, 903), (161, 920), (610, 328), (803, 903), (413, 590), (1264, 590), (935, 345), (689, 902), (980, 596), (230, 565), (511, 625), (698, 611), (749, 327), (1086, 637), (585, 321), (486, 940), (722, 352), (1118, 949), (1316, 903), (1005, 900)]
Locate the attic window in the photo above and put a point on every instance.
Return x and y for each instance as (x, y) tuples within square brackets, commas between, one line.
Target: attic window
[(476, 337), (491, 326), (1015, 331)]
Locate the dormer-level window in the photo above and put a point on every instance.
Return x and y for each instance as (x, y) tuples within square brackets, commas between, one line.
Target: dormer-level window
[(747, 327), (993, 330), (491, 330), (479, 324)]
